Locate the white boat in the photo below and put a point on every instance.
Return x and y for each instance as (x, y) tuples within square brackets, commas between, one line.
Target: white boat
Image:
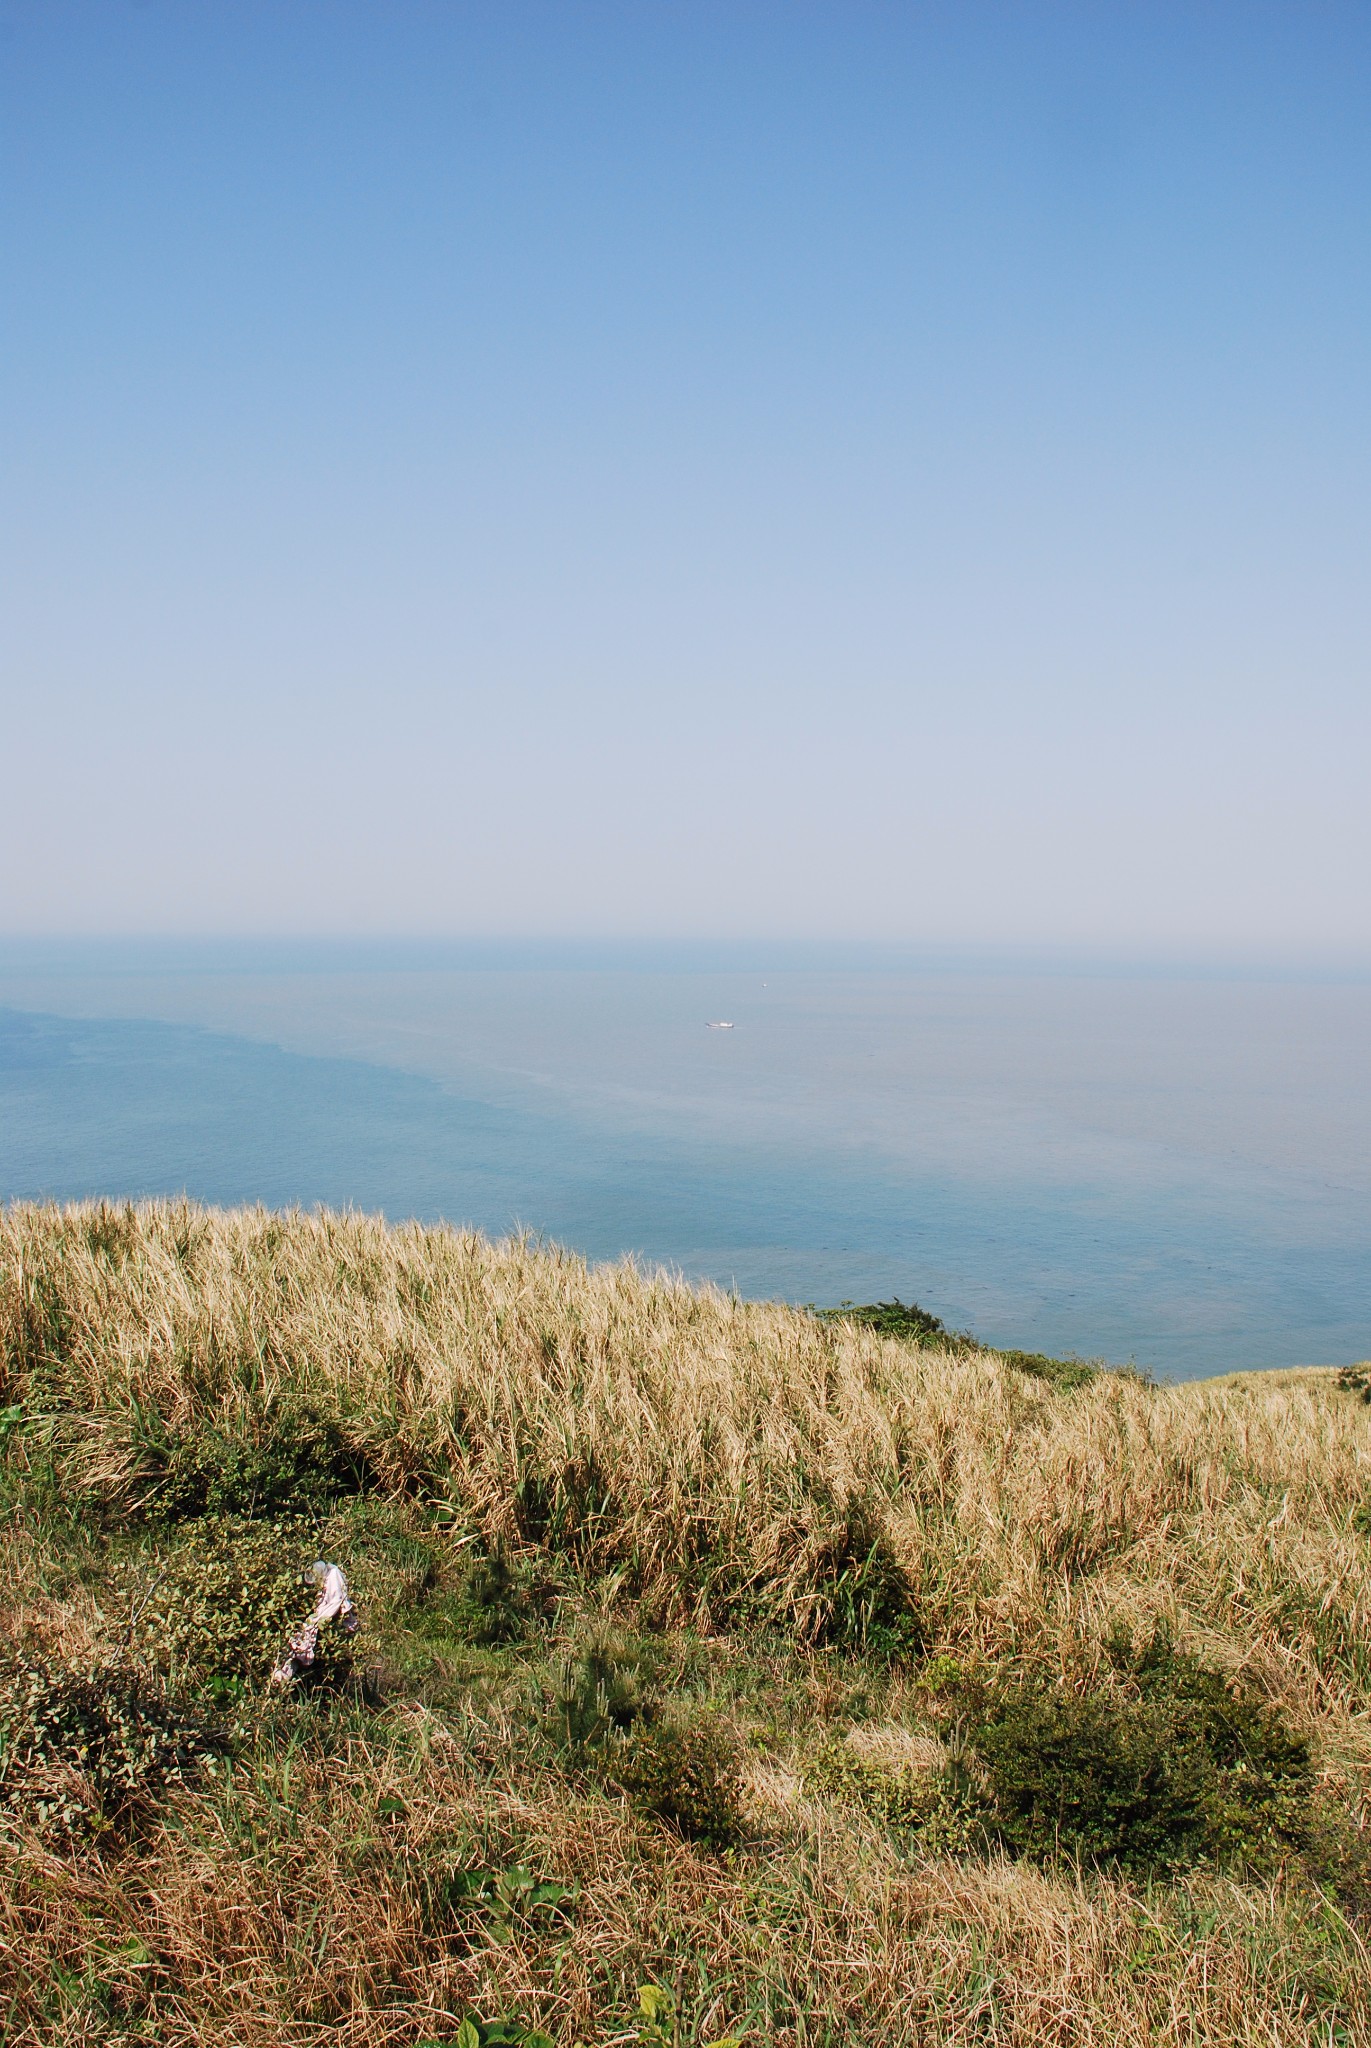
[(722, 1024)]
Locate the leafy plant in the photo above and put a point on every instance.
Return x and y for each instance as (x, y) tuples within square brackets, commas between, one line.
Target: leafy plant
[(221, 1605), (944, 1806), (87, 1753), (914, 1325), (502, 2033), (506, 1899), (657, 2021), (1169, 1768), (897, 1794), (686, 1771), (295, 1462)]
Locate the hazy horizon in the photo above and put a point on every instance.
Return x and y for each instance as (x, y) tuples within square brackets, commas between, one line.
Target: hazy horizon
[(1170, 1168), (689, 952)]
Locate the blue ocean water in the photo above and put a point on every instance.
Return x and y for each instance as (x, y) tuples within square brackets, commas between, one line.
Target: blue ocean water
[(1174, 1170)]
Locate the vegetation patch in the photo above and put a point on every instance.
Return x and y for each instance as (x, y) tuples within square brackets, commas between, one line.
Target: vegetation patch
[(896, 1792), (686, 1770), (498, 1598), (296, 1462), (1167, 1768), (1356, 1379), (910, 1324), (503, 1902), (85, 1754)]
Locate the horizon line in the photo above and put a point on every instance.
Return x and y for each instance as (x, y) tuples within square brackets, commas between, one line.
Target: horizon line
[(320, 950)]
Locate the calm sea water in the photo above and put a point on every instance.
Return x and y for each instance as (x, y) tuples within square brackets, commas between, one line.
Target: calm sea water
[(1176, 1171)]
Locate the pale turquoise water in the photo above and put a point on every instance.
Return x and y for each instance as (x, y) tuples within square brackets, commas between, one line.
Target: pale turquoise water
[(1176, 1170)]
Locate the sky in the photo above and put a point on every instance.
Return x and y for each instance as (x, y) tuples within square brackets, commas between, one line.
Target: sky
[(887, 472)]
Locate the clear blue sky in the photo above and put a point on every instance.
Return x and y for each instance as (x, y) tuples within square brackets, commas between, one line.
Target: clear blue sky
[(885, 471)]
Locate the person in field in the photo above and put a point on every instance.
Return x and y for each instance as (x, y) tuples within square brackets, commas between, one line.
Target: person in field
[(334, 1604)]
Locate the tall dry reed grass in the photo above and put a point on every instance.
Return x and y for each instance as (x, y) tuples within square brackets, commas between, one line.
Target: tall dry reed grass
[(703, 1448)]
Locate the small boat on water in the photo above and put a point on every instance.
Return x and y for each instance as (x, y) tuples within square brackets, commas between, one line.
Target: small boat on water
[(722, 1024)]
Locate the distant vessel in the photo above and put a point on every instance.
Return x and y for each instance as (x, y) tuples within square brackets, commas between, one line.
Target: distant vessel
[(723, 1024)]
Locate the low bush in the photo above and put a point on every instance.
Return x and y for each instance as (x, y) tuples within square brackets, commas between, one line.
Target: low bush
[(911, 1324), (899, 1795), (686, 1770), (1335, 1837), (1167, 1768), (943, 1805), (902, 1319), (217, 1612), (297, 1463), (1091, 1776), (89, 1753)]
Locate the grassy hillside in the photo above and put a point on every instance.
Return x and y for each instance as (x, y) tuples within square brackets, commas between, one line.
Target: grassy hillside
[(726, 1670)]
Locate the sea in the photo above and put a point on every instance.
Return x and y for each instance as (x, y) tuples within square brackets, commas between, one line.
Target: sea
[(1169, 1169)]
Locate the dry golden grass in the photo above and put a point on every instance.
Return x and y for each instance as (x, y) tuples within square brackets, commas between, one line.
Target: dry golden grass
[(697, 1458), (277, 1918), (677, 1435)]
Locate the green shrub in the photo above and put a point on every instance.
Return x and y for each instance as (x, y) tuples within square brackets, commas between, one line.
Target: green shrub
[(1261, 1778), (222, 1604), (297, 1463), (1170, 1767), (86, 1753), (1062, 1373), (911, 1324), (943, 1806), (943, 1673), (899, 1795), (686, 1771), (1336, 1843), (903, 1319), (1091, 1776)]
